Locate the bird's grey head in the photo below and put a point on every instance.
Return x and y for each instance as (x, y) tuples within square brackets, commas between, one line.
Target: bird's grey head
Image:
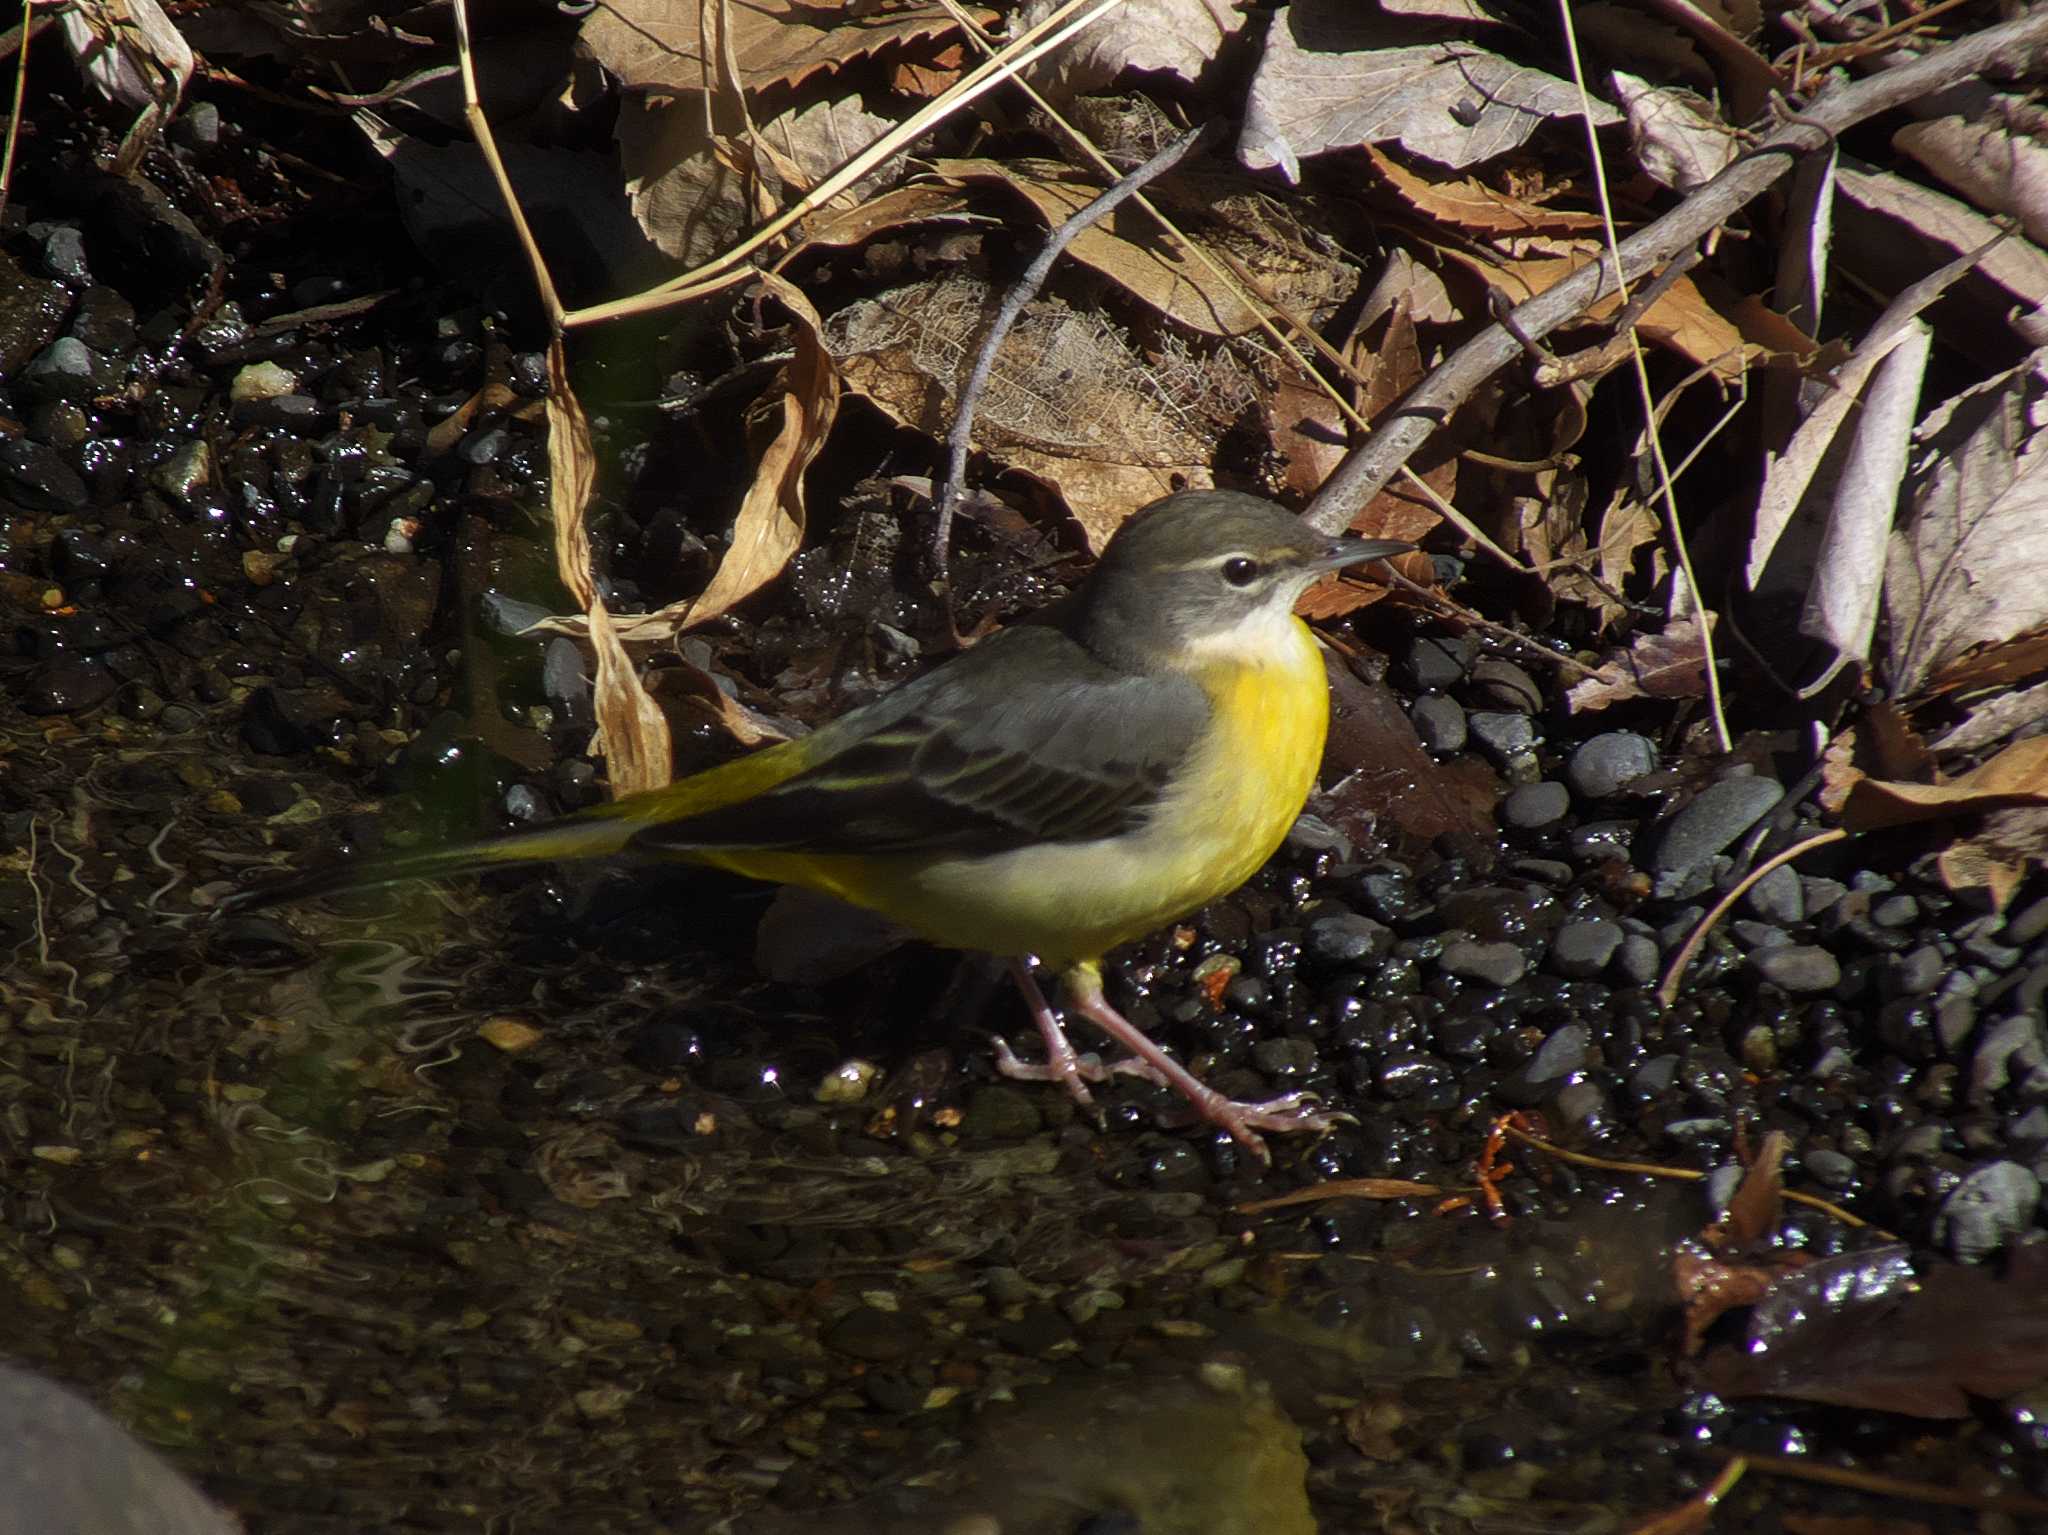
[(1204, 565)]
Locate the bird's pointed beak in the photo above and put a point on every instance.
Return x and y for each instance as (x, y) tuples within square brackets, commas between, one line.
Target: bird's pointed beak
[(1355, 551)]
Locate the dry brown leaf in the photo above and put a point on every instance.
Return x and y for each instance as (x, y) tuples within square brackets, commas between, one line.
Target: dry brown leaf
[(1466, 202), (816, 140), (632, 732), (1174, 37), (921, 202), (770, 525), (2016, 776), (1710, 1288), (1069, 400), (1683, 320), (1903, 222), (1627, 527), (1964, 565), (1759, 1199), (1335, 75), (1669, 664), (1678, 141), (1999, 665), (1987, 162), (659, 43), (684, 198), (1972, 868), (1127, 247)]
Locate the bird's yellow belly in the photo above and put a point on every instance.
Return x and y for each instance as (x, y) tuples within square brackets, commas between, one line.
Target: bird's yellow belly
[(1221, 819)]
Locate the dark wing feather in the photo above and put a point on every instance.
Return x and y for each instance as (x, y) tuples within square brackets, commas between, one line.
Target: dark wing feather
[(1024, 739)]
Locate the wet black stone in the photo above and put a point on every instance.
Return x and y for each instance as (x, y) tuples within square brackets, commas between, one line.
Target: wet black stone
[(1347, 939), (1801, 969), (1509, 739), (1534, 806), (1496, 964), (1036, 1333), (1439, 722), (1712, 820), (2009, 1051), (32, 310), (105, 321), (665, 1045), (1992, 1205), (1639, 958), (1829, 1167), (77, 556), (1778, 897), (67, 684), (1501, 684), (64, 255), (1418, 1078), (1599, 841), (1914, 973), (1603, 765), (1583, 948), (1390, 896), (1285, 1060), (68, 369), (283, 722), (1432, 664), (36, 478)]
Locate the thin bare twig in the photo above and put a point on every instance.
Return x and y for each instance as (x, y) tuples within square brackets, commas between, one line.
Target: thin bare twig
[(1021, 293), (28, 30)]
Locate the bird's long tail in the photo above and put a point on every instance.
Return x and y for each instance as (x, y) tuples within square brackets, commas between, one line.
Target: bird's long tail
[(590, 836)]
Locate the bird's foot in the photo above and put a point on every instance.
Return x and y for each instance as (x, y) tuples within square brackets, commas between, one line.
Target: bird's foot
[(1074, 1068), (1290, 1114), (1067, 1067)]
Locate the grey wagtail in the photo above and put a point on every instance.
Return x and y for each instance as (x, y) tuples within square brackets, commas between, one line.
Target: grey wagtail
[(1070, 783)]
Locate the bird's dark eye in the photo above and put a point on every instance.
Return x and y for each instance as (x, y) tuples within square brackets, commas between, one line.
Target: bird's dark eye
[(1240, 571)]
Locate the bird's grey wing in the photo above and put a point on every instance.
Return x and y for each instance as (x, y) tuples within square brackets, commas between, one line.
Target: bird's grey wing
[(1024, 739)]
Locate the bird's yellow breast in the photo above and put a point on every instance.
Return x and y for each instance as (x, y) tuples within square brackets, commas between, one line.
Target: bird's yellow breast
[(1223, 814)]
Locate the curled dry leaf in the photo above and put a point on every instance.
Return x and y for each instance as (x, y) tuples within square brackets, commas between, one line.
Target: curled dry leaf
[(1669, 664), (632, 732), (2017, 776), (1337, 75), (1678, 141), (1173, 37), (1470, 204), (770, 525)]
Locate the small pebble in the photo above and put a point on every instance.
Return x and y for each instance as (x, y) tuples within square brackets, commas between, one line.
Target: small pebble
[(1536, 805), (1992, 1205), (1801, 969), (1604, 765), (1439, 722), (1582, 949), (1711, 821), (1497, 964), (1433, 664)]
